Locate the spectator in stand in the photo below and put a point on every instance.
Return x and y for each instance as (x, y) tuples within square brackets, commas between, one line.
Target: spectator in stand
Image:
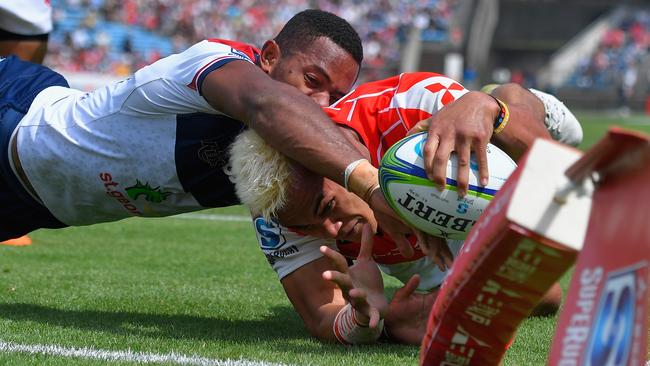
[(618, 56)]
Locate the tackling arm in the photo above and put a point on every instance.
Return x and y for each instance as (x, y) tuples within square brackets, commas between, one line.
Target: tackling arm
[(287, 119), (295, 125)]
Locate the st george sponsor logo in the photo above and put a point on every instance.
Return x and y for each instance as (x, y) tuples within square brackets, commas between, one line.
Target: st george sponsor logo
[(112, 191), (150, 194)]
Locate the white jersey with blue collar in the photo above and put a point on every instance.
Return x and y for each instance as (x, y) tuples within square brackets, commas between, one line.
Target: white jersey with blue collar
[(144, 146), (287, 251)]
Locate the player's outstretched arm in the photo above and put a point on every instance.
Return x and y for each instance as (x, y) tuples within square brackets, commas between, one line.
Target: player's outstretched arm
[(361, 284), (316, 300), (332, 308), (287, 119)]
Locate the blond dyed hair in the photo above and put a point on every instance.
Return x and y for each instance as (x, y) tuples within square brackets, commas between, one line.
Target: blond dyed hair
[(261, 174)]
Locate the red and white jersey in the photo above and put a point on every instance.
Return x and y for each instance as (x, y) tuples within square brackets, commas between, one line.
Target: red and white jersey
[(26, 17), (382, 112), (95, 157)]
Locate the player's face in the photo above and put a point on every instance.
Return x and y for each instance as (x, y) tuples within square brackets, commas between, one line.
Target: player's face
[(320, 207), (323, 71)]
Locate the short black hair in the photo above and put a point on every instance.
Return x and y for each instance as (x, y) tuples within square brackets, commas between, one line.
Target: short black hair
[(303, 28)]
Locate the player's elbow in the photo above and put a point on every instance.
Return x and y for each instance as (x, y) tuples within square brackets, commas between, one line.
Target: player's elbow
[(321, 329)]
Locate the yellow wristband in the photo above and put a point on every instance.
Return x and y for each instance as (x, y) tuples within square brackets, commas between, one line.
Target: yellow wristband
[(503, 118)]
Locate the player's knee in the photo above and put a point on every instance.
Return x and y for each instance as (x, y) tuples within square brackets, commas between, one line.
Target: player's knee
[(550, 303)]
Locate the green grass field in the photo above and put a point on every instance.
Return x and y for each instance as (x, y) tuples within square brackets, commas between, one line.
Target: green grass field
[(187, 286)]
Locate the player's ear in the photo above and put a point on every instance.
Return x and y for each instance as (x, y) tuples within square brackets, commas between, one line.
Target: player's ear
[(270, 55)]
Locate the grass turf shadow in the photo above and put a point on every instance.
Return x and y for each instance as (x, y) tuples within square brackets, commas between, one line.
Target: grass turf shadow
[(282, 322), (282, 325)]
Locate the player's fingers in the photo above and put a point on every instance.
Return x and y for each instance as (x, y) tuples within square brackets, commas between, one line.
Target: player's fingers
[(341, 280), (446, 255), (429, 153), (358, 296), (403, 245), (422, 240), (480, 152), (440, 160), (336, 259), (365, 252), (375, 317), (408, 289), (421, 126), (463, 154), (438, 261), (436, 249), (372, 220), (358, 299), (433, 252)]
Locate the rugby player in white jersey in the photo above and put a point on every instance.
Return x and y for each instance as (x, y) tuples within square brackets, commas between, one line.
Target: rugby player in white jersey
[(313, 216), (155, 143)]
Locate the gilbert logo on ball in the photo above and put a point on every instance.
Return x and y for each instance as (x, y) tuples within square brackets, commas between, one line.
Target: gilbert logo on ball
[(414, 197)]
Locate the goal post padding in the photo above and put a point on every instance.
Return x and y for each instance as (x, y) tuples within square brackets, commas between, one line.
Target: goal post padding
[(518, 249), (604, 318)]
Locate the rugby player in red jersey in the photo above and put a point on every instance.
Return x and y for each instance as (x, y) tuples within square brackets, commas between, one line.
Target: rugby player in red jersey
[(298, 212)]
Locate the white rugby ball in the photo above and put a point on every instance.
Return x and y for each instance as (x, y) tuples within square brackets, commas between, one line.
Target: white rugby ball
[(415, 198)]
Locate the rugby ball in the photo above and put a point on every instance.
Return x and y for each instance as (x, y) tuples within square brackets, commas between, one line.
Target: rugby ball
[(415, 198)]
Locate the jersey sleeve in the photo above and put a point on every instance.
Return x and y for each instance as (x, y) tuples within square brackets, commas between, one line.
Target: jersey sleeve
[(286, 250), (173, 84)]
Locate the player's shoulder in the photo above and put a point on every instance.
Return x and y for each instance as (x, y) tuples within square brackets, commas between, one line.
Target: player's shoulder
[(273, 236), (432, 81), (286, 250), (244, 50)]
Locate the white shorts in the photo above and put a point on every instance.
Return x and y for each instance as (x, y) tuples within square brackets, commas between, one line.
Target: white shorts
[(26, 17)]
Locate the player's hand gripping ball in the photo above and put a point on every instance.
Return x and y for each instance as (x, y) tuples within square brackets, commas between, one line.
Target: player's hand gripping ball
[(416, 199)]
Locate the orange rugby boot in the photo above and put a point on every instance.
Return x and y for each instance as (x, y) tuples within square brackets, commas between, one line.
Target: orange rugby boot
[(20, 241)]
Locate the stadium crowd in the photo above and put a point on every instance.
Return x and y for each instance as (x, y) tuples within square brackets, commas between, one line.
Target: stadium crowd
[(619, 56), (90, 41)]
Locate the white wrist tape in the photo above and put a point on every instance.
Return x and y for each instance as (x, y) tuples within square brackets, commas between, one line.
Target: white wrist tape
[(348, 171), (348, 330)]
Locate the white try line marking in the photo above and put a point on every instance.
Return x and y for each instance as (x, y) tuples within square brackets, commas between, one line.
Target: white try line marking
[(140, 357), (213, 217)]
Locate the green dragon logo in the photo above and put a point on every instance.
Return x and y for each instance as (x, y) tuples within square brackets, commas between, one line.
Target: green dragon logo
[(150, 194)]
